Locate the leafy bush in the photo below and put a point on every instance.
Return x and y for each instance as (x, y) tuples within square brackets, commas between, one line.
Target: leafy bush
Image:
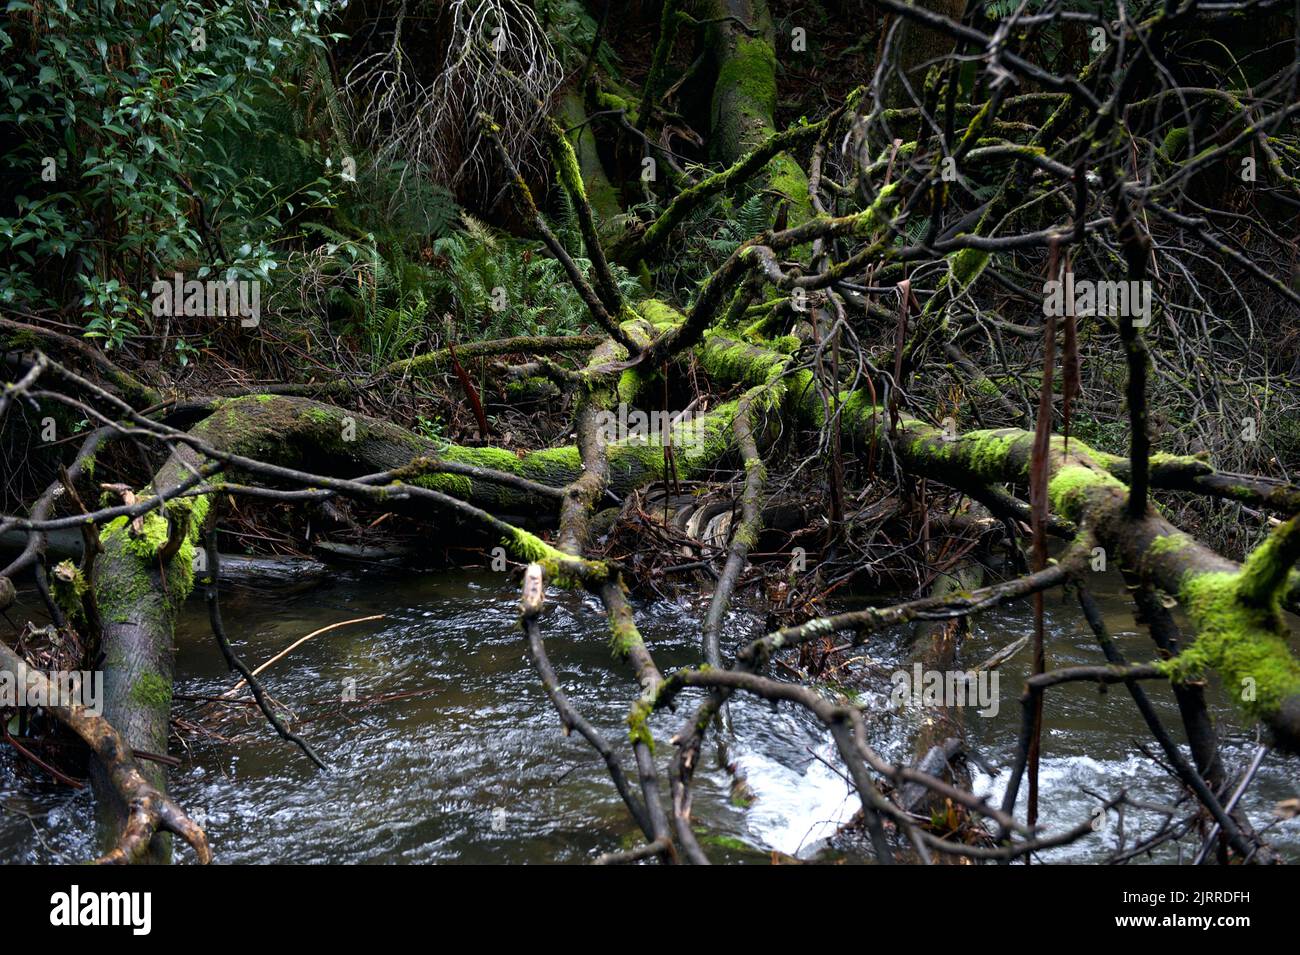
[(132, 127)]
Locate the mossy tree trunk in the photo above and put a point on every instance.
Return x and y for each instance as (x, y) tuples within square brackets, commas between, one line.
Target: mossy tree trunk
[(743, 109), (601, 193)]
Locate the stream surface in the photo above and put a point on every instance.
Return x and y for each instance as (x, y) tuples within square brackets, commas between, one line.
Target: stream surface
[(465, 761)]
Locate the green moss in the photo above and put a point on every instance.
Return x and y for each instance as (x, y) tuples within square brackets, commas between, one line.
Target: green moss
[(68, 587), (189, 513), (1076, 449), (119, 594), (623, 636), (561, 569), (612, 102), (638, 723), (566, 163), (967, 264), (742, 797), (1243, 643), (856, 410), (751, 73), (725, 358), (730, 843), (549, 459), (605, 203), (1175, 143), (152, 691), (1169, 544), (181, 579), (553, 466), (1163, 459), (456, 485), (321, 414), (877, 215), (639, 461), (1068, 487), (194, 509), (629, 385), (532, 548), (662, 317), (499, 459), (1264, 574), (21, 339), (746, 536), (905, 151), (987, 451), (145, 544), (787, 177), (534, 386)]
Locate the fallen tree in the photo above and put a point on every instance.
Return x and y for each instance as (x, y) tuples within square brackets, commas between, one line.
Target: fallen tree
[(817, 343)]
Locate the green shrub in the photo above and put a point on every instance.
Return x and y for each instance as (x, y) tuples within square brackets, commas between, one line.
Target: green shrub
[(136, 130)]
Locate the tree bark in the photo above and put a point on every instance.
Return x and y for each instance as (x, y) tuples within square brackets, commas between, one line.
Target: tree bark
[(743, 112)]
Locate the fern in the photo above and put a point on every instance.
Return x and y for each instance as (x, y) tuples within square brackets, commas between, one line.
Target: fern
[(391, 331), (568, 22), (503, 287), (567, 229), (750, 218)]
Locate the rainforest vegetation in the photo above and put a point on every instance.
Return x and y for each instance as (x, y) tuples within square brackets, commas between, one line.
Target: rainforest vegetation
[(860, 316)]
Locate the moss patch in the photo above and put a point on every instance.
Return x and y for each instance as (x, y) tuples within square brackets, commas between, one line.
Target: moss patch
[(638, 723), (1243, 644), (151, 690)]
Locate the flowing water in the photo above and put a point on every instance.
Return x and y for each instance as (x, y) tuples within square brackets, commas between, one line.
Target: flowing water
[(464, 760)]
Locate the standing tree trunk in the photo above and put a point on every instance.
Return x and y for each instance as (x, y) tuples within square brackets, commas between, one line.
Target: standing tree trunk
[(743, 110), (918, 48)]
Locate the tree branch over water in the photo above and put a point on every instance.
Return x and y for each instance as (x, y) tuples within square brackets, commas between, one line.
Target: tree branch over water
[(834, 309)]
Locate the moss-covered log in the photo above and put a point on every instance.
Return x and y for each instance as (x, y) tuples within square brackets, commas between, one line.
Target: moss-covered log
[(145, 573), (138, 588), (1235, 610), (20, 336), (1241, 632)]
